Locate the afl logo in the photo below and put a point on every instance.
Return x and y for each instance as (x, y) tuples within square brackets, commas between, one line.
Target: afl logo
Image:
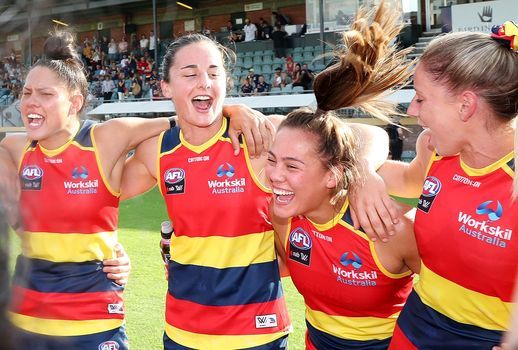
[(32, 172), (174, 175), (431, 186), (300, 239), (109, 345)]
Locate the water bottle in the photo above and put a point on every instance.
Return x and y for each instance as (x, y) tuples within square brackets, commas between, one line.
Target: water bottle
[(166, 232)]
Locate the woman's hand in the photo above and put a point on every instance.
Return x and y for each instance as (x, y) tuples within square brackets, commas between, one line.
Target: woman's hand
[(257, 130), (118, 269), (371, 207)]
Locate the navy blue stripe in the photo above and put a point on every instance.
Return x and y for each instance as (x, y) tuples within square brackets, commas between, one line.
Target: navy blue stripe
[(256, 283), (279, 344), (51, 277), (511, 164), (170, 140), (429, 329), (83, 136), (32, 341), (326, 341)]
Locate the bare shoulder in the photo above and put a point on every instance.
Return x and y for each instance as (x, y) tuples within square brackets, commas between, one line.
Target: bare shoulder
[(14, 144)]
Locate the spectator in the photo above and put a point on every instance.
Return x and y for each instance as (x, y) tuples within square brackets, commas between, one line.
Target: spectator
[(296, 76), (124, 64), (285, 79), (306, 77), (230, 27), (144, 44), (104, 47), (290, 66), (96, 88), (280, 19), (123, 46), (252, 77), (396, 137), (121, 86), (262, 87), (279, 41), (152, 44), (277, 79), (136, 87), (112, 51), (142, 66), (107, 87), (250, 30), (265, 29), (247, 87)]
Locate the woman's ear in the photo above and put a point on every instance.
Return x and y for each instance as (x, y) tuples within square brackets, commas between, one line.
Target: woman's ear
[(77, 103), (333, 178), (166, 89), (469, 102)]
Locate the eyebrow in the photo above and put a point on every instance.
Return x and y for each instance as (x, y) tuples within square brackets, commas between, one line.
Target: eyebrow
[(196, 66), (287, 158)]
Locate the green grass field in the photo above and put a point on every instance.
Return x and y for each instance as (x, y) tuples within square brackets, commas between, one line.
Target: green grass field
[(139, 231)]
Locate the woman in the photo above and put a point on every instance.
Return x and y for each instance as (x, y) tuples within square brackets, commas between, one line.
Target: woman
[(362, 285), (297, 77), (62, 298), (466, 82), (224, 283)]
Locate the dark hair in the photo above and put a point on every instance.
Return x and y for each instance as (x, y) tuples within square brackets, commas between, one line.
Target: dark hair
[(228, 56), (367, 66), (60, 56)]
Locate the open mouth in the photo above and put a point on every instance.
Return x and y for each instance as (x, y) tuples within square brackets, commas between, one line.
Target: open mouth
[(35, 120), (282, 196), (202, 103)]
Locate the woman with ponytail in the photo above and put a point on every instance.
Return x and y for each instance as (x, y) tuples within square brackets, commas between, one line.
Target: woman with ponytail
[(70, 175), (353, 288), (467, 100)]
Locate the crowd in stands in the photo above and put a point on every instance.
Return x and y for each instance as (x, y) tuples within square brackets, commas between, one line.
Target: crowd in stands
[(11, 77), (121, 70)]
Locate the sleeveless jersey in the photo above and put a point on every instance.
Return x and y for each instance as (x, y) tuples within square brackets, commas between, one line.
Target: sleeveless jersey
[(351, 300), (464, 228), (69, 217), (224, 284)]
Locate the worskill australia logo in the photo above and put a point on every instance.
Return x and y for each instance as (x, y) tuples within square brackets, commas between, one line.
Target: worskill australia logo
[(31, 178), (431, 188), (483, 224), (174, 181), (350, 272), (225, 182), (80, 183), (300, 246)]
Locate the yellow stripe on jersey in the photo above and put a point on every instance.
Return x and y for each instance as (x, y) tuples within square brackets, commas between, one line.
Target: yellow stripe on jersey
[(223, 252), (218, 342), (207, 144), (488, 169), (355, 328), (461, 304), (63, 327), (69, 247)]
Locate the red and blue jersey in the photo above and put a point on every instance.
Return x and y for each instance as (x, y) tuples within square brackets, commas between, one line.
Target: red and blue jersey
[(351, 300), (464, 228), (224, 284), (69, 215)]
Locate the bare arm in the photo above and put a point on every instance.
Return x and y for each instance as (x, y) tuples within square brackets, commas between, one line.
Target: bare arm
[(280, 227), (371, 207), (139, 174), (11, 149), (406, 180), (117, 137)]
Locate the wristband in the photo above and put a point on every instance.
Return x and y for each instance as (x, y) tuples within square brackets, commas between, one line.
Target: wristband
[(172, 122)]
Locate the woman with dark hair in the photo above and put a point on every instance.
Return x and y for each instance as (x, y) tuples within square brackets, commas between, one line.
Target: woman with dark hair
[(224, 283), (63, 295)]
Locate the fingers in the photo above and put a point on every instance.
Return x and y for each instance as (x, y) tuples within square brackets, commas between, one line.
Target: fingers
[(250, 142), (234, 138), (118, 269), (258, 141)]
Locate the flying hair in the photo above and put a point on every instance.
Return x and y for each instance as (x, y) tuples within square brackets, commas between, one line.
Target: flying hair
[(368, 66)]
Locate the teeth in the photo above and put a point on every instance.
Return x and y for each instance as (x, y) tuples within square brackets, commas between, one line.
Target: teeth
[(34, 116), (202, 98), (280, 192)]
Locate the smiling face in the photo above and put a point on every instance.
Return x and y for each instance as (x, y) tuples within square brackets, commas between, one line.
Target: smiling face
[(48, 109), (438, 110), (300, 182), (197, 85)]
